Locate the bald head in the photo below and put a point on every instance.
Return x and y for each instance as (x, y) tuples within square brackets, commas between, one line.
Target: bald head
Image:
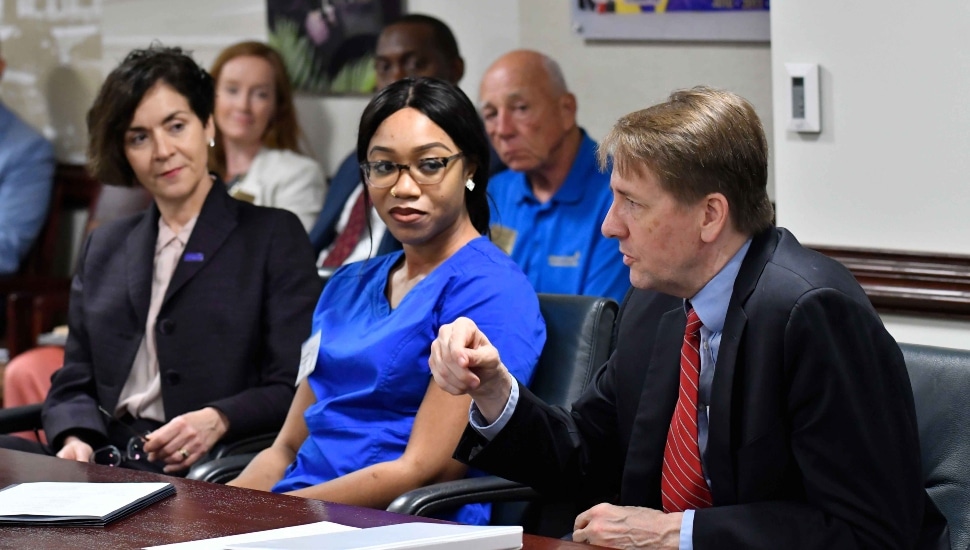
[(528, 110), (539, 68)]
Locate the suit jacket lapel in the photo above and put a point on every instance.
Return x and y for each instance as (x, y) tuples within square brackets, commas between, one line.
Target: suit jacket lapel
[(140, 251), (719, 459), (644, 461), (216, 221)]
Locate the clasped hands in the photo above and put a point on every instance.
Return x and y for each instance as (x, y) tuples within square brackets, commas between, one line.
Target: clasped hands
[(179, 443)]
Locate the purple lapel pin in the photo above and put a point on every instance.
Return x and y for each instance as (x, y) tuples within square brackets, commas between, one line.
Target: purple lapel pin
[(193, 257)]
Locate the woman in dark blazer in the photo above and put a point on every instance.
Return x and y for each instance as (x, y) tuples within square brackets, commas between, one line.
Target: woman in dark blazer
[(186, 320)]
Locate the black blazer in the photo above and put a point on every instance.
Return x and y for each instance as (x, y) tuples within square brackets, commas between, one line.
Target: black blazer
[(228, 332), (813, 440)]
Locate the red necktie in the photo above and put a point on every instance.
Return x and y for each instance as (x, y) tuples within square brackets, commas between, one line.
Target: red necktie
[(347, 240), (682, 486)]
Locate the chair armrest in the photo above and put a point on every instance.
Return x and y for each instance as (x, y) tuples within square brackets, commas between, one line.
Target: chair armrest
[(220, 470), (451, 494), (20, 419), (33, 284), (247, 445)]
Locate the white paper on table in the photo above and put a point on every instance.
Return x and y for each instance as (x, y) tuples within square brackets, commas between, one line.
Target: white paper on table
[(402, 536), (219, 543)]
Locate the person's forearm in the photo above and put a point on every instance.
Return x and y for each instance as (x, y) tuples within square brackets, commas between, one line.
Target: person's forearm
[(265, 469), (377, 485)]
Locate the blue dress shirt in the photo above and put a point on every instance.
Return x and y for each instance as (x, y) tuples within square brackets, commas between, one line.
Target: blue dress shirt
[(26, 180), (711, 305)]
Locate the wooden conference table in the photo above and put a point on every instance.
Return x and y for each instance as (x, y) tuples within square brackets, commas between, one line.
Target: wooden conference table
[(198, 510)]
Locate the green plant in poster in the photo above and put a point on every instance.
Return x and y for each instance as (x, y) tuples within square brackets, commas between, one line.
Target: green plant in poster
[(356, 77), (297, 54)]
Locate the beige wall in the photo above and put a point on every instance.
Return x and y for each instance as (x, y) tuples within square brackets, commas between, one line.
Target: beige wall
[(58, 58), (53, 54), (203, 27), (889, 168)]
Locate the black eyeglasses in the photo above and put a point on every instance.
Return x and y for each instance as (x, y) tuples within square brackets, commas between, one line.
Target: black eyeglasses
[(382, 174), (113, 456)]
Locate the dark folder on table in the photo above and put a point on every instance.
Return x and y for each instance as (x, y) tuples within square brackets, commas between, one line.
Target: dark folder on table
[(76, 504)]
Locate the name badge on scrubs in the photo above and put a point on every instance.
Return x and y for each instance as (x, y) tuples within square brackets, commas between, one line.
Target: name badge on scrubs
[(504, 237), (308, 356)]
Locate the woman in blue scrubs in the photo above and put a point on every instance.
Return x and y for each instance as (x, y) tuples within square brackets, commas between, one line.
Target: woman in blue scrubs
[(368, 423)]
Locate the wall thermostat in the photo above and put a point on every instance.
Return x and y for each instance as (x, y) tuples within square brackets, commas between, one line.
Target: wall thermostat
[(803, 95)]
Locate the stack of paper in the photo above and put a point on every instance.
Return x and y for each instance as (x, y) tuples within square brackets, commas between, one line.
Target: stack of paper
[(403, 536), (218, 543), (76, 504), (334, 536)]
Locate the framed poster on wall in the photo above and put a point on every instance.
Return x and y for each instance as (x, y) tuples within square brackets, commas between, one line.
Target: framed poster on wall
[(675, 20)]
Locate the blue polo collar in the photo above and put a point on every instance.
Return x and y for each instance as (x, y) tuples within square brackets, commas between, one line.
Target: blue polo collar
[(576, 185)]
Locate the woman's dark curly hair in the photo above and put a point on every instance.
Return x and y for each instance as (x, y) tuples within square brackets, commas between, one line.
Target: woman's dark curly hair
[(122, 92)]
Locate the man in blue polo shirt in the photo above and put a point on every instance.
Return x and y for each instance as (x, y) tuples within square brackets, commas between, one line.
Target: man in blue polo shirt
[(550, 203)]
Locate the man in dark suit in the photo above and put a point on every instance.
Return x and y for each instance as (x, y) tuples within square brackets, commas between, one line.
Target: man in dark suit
[(757, 403)]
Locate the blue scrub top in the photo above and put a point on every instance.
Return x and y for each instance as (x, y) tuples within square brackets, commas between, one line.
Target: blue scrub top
[(559, 244), (372, 369)]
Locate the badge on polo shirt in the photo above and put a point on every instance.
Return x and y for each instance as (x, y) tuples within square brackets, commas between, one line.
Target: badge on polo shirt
[(564, 261), (504, 237), (239, 194)]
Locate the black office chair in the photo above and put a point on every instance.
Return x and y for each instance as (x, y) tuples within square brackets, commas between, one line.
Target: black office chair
[(24, 418), (941, 388), (579, 340)]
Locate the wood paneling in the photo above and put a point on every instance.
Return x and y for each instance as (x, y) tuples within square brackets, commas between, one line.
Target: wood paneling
[(910, 283)]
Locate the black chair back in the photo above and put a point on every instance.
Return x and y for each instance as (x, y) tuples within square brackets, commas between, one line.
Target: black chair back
[(579, 339), (941, 389)]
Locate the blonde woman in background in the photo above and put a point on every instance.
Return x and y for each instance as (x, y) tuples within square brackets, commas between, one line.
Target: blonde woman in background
[(256, 148)]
